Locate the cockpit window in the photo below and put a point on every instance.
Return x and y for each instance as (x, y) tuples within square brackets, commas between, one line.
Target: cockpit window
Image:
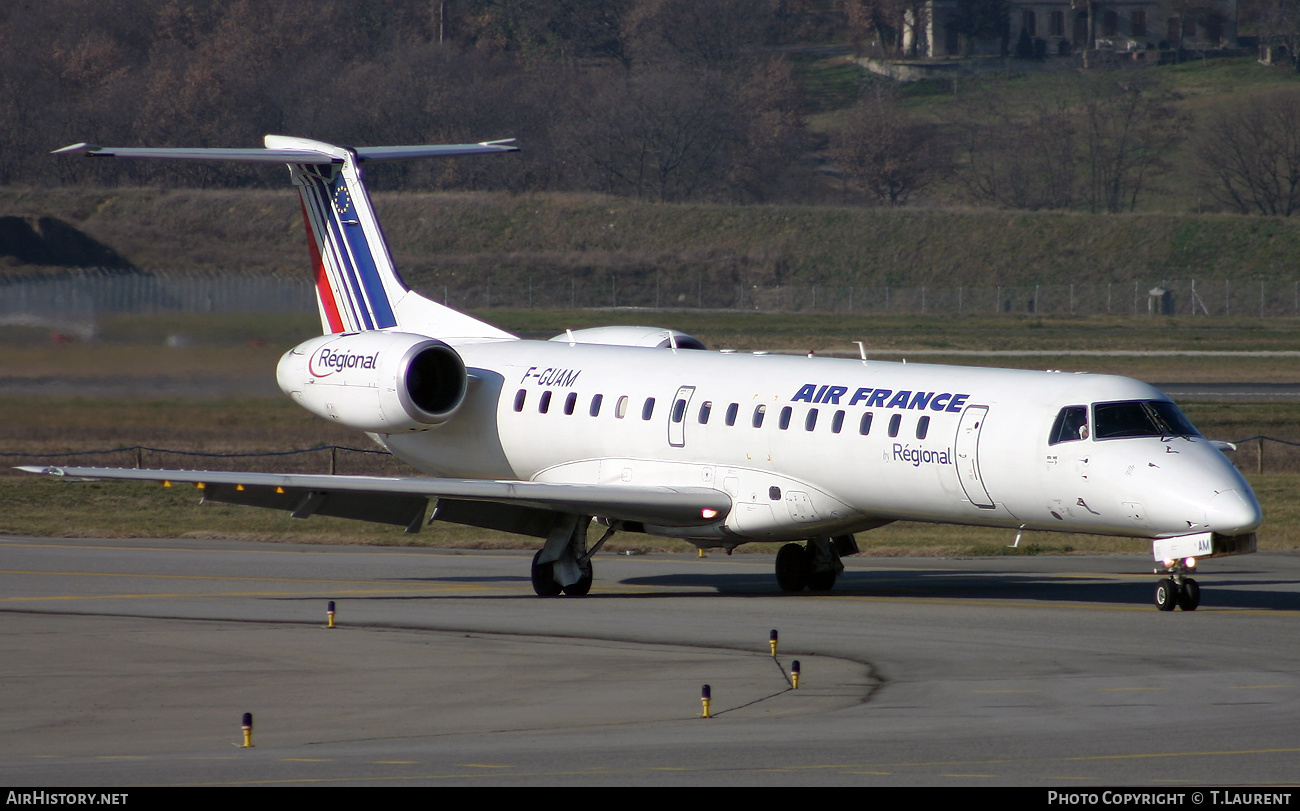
[(1141, 418), (1071, 425)]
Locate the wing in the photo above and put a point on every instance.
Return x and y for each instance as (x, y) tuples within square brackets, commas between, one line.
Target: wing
[(511, 506)]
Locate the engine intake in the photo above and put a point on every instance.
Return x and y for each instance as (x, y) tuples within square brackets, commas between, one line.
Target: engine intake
[(435, 380), (383, 382)]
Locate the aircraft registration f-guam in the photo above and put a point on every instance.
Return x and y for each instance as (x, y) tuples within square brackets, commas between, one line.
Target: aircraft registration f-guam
[(643, 430)]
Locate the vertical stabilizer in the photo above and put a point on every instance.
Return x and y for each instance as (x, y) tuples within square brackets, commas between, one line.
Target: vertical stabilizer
[(357, 286)]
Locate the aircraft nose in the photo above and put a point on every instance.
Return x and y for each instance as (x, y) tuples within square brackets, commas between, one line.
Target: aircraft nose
[(1232, 512)]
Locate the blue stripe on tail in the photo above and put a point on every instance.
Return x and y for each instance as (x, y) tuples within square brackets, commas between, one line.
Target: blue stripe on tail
[(361, 252)]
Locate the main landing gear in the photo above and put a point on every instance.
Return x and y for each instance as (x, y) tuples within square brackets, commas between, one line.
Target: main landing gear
[(1177, 590), (564, 563), (814, 566)]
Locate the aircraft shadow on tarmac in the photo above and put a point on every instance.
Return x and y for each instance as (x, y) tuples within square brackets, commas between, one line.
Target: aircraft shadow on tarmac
[(1218, 592), (1220, 589), (462, 579)]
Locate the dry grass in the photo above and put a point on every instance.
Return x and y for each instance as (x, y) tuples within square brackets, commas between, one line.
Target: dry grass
[(447, 239)]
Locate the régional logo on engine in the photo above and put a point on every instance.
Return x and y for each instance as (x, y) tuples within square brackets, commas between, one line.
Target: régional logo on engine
[(327, 362)]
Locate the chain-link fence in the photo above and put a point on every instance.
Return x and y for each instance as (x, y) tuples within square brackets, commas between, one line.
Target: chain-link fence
[(1143, 297), (80, 296)]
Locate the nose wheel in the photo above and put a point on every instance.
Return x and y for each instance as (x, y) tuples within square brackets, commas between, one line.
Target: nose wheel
[(1177, 590)]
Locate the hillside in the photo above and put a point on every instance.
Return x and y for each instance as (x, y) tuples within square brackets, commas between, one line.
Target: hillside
[(441, 237)]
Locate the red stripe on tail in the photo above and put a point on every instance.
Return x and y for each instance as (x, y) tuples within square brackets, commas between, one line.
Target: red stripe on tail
[(323, 289)]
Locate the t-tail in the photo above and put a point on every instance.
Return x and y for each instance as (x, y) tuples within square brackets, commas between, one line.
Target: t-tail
[(357, 286)]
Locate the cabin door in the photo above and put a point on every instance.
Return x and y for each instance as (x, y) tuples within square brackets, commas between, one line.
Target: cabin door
[(677, 416), (967, 452)]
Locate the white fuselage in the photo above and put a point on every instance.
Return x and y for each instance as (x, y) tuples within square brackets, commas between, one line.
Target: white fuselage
[(984, 457)]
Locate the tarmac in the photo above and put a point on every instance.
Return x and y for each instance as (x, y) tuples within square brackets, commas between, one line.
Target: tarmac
[(131, 663)]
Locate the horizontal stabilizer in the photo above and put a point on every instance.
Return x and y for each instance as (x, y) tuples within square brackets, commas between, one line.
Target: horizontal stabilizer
[(659, 506), (314, 156)]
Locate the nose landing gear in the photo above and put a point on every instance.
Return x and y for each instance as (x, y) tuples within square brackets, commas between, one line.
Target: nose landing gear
[(1177, 590)]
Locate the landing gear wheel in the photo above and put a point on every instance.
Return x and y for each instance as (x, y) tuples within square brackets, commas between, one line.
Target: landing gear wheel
[(1167, 592), (1189, 596), (583, 586), (544, 584), (792, 568)]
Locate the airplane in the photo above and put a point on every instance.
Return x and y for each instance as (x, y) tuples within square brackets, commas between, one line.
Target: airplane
[(642, 429)]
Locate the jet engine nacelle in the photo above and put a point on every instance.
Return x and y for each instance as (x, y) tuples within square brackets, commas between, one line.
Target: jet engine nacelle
[(383, 382)]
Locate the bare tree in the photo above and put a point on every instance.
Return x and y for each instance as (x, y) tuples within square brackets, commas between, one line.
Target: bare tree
[(1019, 150), (1096, 139), (712, 33), (671, 132), (1250, 154), (1279, 27), (700, 111), (886, 151), (557, 28), (1129, 126)]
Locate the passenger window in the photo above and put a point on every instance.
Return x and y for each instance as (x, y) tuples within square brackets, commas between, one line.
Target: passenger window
[(1071, 425), (894, 422), (570, 402), (837, 422), (544, 404), (922, 427), (679, 410), (732, 411), (810, 422), (785, 417), (520, 396), (648, 410), (620, 410), (759, 413), (706, 408), (864, 427), (595, 404)]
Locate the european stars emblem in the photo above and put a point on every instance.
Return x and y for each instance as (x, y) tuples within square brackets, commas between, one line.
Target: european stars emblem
[(342, 202)]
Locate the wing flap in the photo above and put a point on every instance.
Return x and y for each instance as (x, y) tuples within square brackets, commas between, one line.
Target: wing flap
[(380, 508), (658, 506)]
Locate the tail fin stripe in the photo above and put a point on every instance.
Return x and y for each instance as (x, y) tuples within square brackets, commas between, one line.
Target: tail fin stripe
[(338, 254), (354, 249), (341, 251), (319, 223), (324, 291), (352, 213), (365, 265)]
